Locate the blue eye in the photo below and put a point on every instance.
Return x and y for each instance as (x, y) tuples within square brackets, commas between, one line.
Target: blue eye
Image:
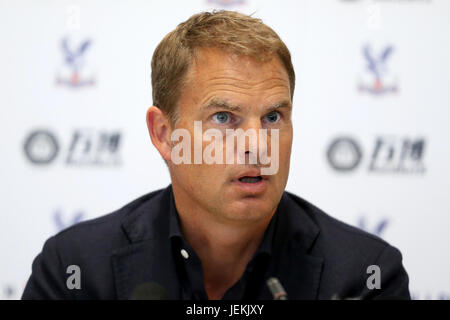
[(221, 117), (273, 116)]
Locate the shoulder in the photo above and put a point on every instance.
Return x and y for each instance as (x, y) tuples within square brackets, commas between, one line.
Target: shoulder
[(333, 233), (89, 246), (349, 254), (106, 233)]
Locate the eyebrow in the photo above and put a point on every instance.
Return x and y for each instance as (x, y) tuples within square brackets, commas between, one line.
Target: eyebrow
[(224, 105)]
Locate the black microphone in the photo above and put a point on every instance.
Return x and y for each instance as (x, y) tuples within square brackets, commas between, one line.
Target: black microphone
[(149, 291), (276, 289)]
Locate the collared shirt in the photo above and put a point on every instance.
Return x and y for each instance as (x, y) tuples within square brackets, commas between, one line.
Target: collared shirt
[(189, 267)]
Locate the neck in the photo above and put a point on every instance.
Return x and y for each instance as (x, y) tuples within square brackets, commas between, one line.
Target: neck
[(224, 248)]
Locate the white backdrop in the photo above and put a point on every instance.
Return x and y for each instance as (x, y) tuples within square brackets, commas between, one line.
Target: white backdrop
[(371, 118)]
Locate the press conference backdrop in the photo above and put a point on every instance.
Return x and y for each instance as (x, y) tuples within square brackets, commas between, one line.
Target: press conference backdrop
[(371, 118)]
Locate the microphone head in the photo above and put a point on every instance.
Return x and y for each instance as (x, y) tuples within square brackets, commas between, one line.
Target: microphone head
[(276, 289), (149, 291)]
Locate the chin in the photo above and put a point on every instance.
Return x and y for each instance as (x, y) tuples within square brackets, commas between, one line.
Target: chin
[(250, 209)]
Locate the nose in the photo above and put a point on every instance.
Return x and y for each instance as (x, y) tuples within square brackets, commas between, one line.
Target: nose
[(255, 143)]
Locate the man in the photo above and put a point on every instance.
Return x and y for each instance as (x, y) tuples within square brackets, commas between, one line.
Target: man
[(222, 228)]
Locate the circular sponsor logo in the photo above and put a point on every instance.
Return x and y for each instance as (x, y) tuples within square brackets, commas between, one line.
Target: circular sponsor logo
[(41, 147), (344, 154)]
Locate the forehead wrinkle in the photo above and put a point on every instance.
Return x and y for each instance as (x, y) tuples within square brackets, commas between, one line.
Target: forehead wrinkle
[(280, 88), (280, 93), (241, 88), (247, 83), (228, 84), (215, 102), (219, 92)]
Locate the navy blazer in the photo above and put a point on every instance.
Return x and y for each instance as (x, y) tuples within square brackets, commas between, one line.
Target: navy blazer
[(130, 246)]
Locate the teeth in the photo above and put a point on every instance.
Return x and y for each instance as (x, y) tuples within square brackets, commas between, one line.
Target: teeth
[(250, 179)]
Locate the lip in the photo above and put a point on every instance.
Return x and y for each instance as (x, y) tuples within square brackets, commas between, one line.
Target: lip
[(249, 173), (251, 188)]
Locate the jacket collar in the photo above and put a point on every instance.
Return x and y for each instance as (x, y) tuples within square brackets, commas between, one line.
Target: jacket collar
[(149, 256)]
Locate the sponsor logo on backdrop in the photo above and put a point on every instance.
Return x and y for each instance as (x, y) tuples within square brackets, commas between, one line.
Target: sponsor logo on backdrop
[(41, 147), (377, 79), (344, 154), (83, 147), (390, 154), (9, 291), (62, 221), (226, 3), (393, 154), (94, 148), (75, 72), (377, 228)]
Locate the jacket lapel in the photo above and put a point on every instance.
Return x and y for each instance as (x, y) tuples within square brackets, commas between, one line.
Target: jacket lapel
[(149, 257), (301, 277), (295, 236)]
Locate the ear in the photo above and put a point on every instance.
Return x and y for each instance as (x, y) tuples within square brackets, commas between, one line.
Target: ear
[(160, 130)]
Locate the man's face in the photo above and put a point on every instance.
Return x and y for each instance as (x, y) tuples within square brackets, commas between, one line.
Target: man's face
[(225, 91)]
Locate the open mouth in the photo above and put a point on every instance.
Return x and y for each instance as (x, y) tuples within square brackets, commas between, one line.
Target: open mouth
[(251, 183), (247, 179)]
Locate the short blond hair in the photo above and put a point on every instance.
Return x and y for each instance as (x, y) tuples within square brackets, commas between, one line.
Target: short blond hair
[(228, 30)]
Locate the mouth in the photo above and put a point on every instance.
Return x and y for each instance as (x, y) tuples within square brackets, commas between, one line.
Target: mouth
[(249, 179), (251, 182)]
